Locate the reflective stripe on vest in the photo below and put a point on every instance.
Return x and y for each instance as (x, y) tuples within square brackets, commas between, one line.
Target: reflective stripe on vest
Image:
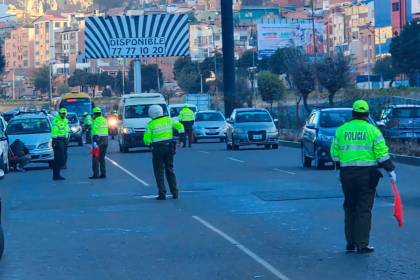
[(358, 163)]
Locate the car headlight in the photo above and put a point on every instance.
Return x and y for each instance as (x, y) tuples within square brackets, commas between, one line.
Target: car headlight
[(325, 138), (198, 127), (272, 130), (46, 145), (112, 122), (128, 130), (75, 129), (238, 130)]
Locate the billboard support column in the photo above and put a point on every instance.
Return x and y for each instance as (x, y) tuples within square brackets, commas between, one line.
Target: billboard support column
[(137, 76), (228, 55)]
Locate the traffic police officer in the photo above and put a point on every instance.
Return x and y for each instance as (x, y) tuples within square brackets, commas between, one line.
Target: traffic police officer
[(159, 134), (100, 139), (59, 133), (87, 125), (187, 118), (359, 149)]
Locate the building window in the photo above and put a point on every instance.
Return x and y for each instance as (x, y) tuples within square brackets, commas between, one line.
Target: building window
[(395, 7), (25, 63)]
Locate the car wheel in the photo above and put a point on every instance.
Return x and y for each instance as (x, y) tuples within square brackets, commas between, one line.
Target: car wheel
[(275, 146), (319, 164), (306, 162)]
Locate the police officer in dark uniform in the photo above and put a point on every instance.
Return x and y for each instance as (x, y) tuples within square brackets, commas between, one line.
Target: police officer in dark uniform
[(159, 134), (59, 133), (359, 149)]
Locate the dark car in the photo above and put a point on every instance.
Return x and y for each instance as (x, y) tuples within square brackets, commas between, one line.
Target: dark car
[(76, 134), (250, 126), (401, 122), (318, 133)]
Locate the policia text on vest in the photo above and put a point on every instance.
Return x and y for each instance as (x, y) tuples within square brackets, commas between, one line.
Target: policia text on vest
[(159, 135), (359, 149)]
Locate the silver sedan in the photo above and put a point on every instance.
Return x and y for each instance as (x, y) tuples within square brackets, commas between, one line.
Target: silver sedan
[(209, 125)]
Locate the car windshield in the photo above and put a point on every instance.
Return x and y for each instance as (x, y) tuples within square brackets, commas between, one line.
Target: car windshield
[(78, 106), (253, 116), (72, 119), (209, 117), (329, 119), (141, 111), (28, 126), (406, 113), (175, 111)]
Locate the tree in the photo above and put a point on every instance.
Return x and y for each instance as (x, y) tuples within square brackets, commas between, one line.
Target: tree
[(42, 79), (118, 84), (383, 67), (333, 73), (270, 87), (304, 81), (405, 51), (63, 89), (149, 80), (284, 60), (243, 94), (188, 75), (248, 59)]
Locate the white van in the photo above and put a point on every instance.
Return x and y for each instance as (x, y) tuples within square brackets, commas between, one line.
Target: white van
[(134, 117)]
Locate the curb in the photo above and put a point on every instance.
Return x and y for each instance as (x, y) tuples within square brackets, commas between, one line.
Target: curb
[(397, 158)]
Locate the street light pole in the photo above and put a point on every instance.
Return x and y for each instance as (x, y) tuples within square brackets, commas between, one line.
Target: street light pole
[(228, 55)]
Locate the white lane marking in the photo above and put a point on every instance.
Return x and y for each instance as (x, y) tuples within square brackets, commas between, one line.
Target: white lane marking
[(244, 249), (235, 159), (128, 172), (284, 171), (204, 152)]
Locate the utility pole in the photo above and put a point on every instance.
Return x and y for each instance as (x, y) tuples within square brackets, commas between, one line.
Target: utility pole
[(228, 55), (123, 77), (137, 76), (157, 75), (318, 95)]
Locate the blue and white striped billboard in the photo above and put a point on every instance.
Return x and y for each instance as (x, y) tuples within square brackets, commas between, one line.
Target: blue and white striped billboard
[(154, 35)]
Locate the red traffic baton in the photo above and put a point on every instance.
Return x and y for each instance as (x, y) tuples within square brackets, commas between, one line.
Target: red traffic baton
[(398, 205)]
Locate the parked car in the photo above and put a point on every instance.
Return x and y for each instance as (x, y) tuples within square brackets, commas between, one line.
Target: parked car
[(76, 134), (318, 133), (209, 125), (400, 122), (34, 130), (4, 153), (3, 123), (251, 126)]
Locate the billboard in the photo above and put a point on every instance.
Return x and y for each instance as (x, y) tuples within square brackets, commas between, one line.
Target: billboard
[(154, 35), (285, 33), (415, 6)]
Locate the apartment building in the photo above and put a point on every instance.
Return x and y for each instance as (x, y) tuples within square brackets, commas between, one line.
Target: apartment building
[(19, 49)]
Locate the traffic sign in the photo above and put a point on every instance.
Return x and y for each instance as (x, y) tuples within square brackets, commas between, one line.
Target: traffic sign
[(155, 35)]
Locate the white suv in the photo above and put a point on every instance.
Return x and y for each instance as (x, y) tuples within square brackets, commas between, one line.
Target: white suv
[(4, 153)]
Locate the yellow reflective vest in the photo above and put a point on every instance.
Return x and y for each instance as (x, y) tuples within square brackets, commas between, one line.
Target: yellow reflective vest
[(60, 127), (186, 115), (100, 126), (359, 143), (161, 129)]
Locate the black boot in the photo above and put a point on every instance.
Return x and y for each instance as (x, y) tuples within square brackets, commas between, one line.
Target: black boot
[(365, 250)]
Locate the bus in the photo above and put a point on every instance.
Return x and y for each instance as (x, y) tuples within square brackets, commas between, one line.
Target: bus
[(77, 103)]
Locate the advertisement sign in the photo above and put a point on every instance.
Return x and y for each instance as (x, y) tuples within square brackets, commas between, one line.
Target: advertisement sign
[(154, 35), (289, 33), (415, 6)]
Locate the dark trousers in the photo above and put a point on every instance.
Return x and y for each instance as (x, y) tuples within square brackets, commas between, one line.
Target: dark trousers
[(66, 144), (98, 164), (188, 126), (163, 162), (359, 187), (88, 136), (59, 155)]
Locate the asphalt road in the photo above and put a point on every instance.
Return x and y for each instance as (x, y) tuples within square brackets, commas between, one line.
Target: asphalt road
[(249, 214)]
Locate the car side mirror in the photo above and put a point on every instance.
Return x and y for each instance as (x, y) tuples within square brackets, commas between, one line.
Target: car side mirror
[(276, 120), (380, 123), (229, 120)]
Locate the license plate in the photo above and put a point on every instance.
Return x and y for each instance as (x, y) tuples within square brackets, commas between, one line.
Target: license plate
[(411, 134), (257, 137), (212, 131)]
